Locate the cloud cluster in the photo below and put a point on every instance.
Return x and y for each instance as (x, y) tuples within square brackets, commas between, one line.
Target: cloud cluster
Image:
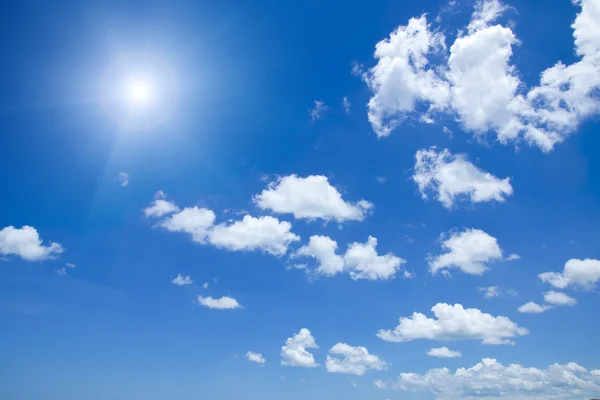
[(361, 260), (25, 242), (347, 359), (454, 323), (491, 380), (452, 178), (255, 357), (476, 83), (294, 353), (443, 352), (552, 299)]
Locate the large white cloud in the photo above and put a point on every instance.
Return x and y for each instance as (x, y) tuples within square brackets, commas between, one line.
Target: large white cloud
[(263, 233), (25, 242), (491, 380), (476, 83), (451, 178), (294, 352), (310, 198), (222, 303), (361, 260), (469, 251), (454, 323), (347, 359), (580, 273)]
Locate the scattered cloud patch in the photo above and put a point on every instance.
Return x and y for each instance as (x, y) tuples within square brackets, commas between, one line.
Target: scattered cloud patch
[(318, 111), (381, 179), (181, 280), (123, 178), (347, 105), (310, 198), (160, 206), (25, 243), (452, 178), (454, 323), (223, 303), (533, 308), (559, 299), (491, 380), (62, 271), (577, 273), (444, 352), (470, 251), (255, 357), (347, 359), (195, 221), (294, 353), (490, 291)]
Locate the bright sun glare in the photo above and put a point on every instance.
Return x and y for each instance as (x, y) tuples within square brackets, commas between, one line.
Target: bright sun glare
[(139, 92)]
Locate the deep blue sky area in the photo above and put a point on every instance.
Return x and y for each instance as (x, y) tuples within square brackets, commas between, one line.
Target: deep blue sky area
[(238, 99)]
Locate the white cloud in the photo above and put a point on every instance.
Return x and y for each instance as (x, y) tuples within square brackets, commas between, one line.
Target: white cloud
[(380, 384), (263, 233), (492, 380), (124, 178), (361, 259), (469, 251), (160, 207), (559, 299), (195, 221), (62, 271), (223, 303), (347, 359), (533, 308), (318, 111), (490, 291), (294, 353), (476, 83), (347, 105), (364, 262), (452, 178), (513, 257), (181, 280), (255, 357), (25, 242), (454, 323), (324, 250), (205, 285), (443, 352), (408, 275), (70, 265), (310, 198), (381, 179), (582, 273)]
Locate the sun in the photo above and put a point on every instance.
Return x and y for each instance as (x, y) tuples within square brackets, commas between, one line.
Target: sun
[(139, 92)]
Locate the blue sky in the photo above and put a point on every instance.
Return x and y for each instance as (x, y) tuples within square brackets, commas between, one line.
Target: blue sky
[(299, 200)]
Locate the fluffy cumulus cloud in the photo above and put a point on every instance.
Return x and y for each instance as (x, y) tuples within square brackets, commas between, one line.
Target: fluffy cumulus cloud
[(533, 308), (25, 242), (470, 251), (361, 260), (452, 178), (181, 280), (266, 233), (294, 353), (255, 357), (454, 323), (577, 273), (491, 380), (476, 83), (310, 198), (347, 359), (443, 352), (223, 303)]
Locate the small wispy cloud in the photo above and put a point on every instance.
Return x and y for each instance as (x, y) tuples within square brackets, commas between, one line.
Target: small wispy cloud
[(124, 178), (318, 111), (181, 280), (347, 105)]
